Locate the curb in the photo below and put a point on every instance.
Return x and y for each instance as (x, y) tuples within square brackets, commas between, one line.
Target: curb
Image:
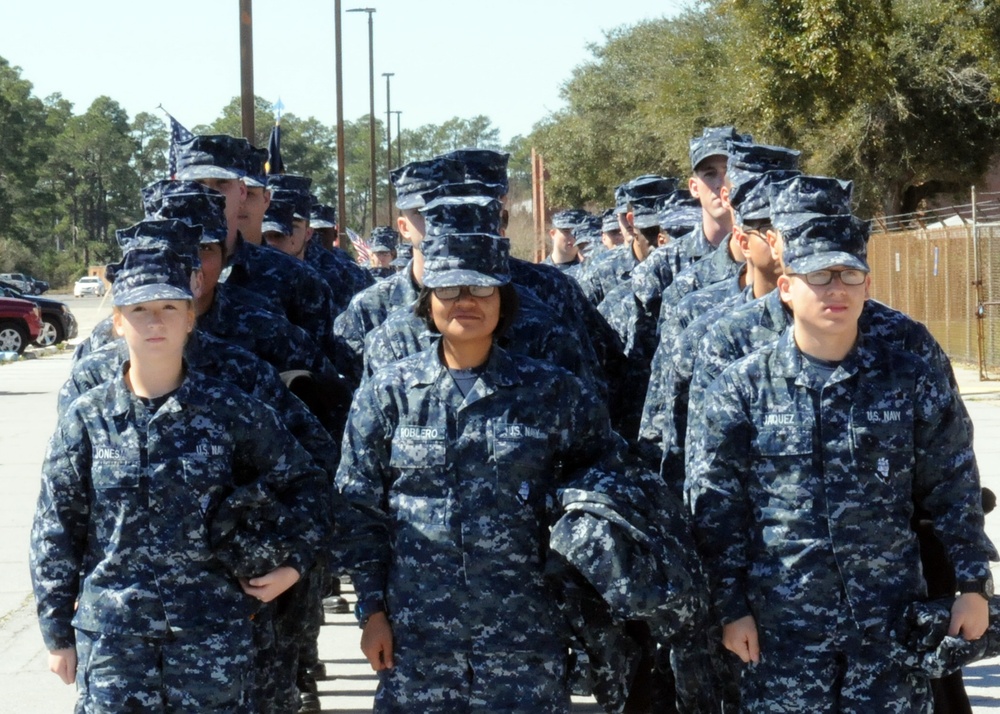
[(33, 353)]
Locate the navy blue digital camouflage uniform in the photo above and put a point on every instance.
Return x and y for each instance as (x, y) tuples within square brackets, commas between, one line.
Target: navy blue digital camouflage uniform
[(367, 310), (125, 481), (460, 493), (304, 296), (600, 276), (356, 278), (663, 427), (823, 476), (269, 336), (750, 170)]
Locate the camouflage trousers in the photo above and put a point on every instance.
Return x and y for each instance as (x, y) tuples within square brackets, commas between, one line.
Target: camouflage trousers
[(291, 617), (849, 675), (184, 672), (314, 617), (463, 683), (698, 672)]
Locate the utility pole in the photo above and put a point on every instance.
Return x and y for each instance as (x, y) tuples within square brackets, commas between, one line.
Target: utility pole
[(246, 69)]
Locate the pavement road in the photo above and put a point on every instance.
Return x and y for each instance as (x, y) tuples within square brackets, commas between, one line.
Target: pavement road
[(28, 391)]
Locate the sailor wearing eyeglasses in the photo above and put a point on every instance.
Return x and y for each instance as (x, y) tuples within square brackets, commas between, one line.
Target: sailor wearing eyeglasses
[(455, 455), (803, 472)]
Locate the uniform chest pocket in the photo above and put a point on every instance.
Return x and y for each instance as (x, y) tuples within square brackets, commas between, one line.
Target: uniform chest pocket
[(882, 438), (422, 510), (784, 441), (520, 445), (206, 480), (108, 476), (417, 447)]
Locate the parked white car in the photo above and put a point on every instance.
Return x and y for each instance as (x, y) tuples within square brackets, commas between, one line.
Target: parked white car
[(88, 285)]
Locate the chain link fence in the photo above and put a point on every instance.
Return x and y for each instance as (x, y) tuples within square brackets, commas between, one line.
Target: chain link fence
[(942, 268)]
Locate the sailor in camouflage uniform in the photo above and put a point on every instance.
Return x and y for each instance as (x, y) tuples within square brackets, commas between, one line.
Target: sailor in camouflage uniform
[(565, 254), (534, 332), (369, 308), (617, 266), (225, 310), (382, 246), (219, 162), (275, 683), (664, 419), (804, 470), (192, 484), (655, 275), (322, 247), (456, 454)]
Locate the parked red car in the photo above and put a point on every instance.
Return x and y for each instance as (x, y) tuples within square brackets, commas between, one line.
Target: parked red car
[(20, 324)]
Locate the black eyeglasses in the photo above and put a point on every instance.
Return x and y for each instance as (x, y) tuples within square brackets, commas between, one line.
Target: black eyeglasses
[(848, 276), (759, 231), (452, 292)]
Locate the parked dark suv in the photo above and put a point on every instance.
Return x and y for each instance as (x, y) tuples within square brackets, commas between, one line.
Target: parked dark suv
[(25, 283), (58, 323), (20, 324)]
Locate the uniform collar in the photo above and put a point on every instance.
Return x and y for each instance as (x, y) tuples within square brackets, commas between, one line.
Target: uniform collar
[(500, 369), (192, 391), (789, 363), (241, 252), (722, 256), (776, 316)]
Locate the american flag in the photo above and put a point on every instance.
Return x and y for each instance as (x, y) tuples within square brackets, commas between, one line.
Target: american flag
[(360, 247), (178, 134)]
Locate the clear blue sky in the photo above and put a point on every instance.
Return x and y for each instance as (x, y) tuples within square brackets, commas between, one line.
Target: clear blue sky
[(506, 60)]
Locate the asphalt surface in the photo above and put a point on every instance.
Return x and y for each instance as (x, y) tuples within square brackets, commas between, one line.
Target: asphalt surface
[(28, 391)]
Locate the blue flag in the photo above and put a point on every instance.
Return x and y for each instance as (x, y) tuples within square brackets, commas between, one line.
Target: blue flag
[(178, 134), (274, 163)]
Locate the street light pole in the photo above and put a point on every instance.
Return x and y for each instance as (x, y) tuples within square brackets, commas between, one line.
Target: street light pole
[(388, 147), (341, 154), (399, 140), (371, 102)]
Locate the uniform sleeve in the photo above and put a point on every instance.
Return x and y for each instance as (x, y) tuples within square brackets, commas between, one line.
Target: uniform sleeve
[(286, 471), (362, 479), (80, 380), (946, 482), (349, 331), (589, 438), (718, 459), (713, 355), (655, 408), (297, 418), (59, 531)]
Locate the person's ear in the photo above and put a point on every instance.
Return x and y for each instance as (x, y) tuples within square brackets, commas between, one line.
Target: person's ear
[(774, 241), (784, 289), (197, 283)]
